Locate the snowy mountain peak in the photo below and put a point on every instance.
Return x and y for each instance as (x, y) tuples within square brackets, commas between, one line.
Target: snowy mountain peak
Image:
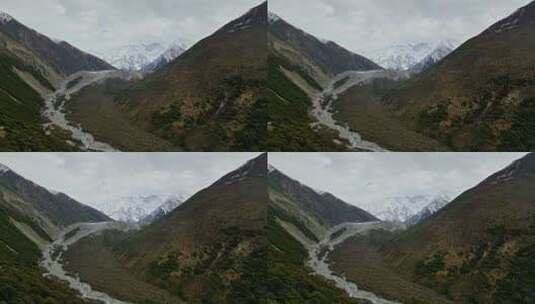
[(5, 18), (400, 209), (433, 207), (406, 56), (167, 207), (135, 57), (173, 51), (132, 209)]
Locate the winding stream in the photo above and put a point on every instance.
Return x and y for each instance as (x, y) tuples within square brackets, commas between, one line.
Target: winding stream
[(319, 254), (323, 105), (55, 106), (53, 257)]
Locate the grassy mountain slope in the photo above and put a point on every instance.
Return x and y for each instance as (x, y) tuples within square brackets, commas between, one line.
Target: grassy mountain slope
[(30, 218), (21, 280), (476, 249), (23, 78), (480, 97), (205, 98), (209, 249), (299, 67), (289, 279), (325, 208), (361, 107), (295, 209)]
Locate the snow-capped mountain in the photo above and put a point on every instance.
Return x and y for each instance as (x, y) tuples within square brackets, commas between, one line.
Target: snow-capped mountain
[(400, 209), (169, 205), (406, 56), (5, 18), (134, 208), (172, 52), (433, 207), (135, 57)]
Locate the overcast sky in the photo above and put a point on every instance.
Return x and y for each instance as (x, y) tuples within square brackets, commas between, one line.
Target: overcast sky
[(363, 179), (103, 24), (101, 177), (367, 25)]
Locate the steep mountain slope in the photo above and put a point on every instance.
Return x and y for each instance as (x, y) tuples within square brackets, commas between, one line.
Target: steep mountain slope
[(31, 67), (210, 248), (317, 57), (300, 66), (63, 57), (132, 209), (480, 97), (323, 209), (299, 217), (477, 248), (208, 97), (30, 218), (58, 208), (24, 80)]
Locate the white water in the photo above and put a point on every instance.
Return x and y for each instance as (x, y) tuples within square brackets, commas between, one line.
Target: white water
[(54, 264), (320, 265), (323, 105), (55, 111)]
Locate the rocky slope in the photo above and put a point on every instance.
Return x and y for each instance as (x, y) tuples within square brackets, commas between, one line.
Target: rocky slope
[(63, 57)]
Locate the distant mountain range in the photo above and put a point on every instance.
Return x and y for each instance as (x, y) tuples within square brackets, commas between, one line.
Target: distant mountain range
[(146, 57), (408, 208), (146, 208), (413, 56)]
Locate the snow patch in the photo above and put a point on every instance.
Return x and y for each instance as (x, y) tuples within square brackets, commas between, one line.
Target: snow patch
[(403, 57), (5, 18)]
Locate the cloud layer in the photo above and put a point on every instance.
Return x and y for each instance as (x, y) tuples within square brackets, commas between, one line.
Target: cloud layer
[(367, 25), (363, 179)]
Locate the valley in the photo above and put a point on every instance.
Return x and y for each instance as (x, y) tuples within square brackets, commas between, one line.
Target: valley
[(256, 233), (323, 105), (320, 253), (53, 258), (56, 106)]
